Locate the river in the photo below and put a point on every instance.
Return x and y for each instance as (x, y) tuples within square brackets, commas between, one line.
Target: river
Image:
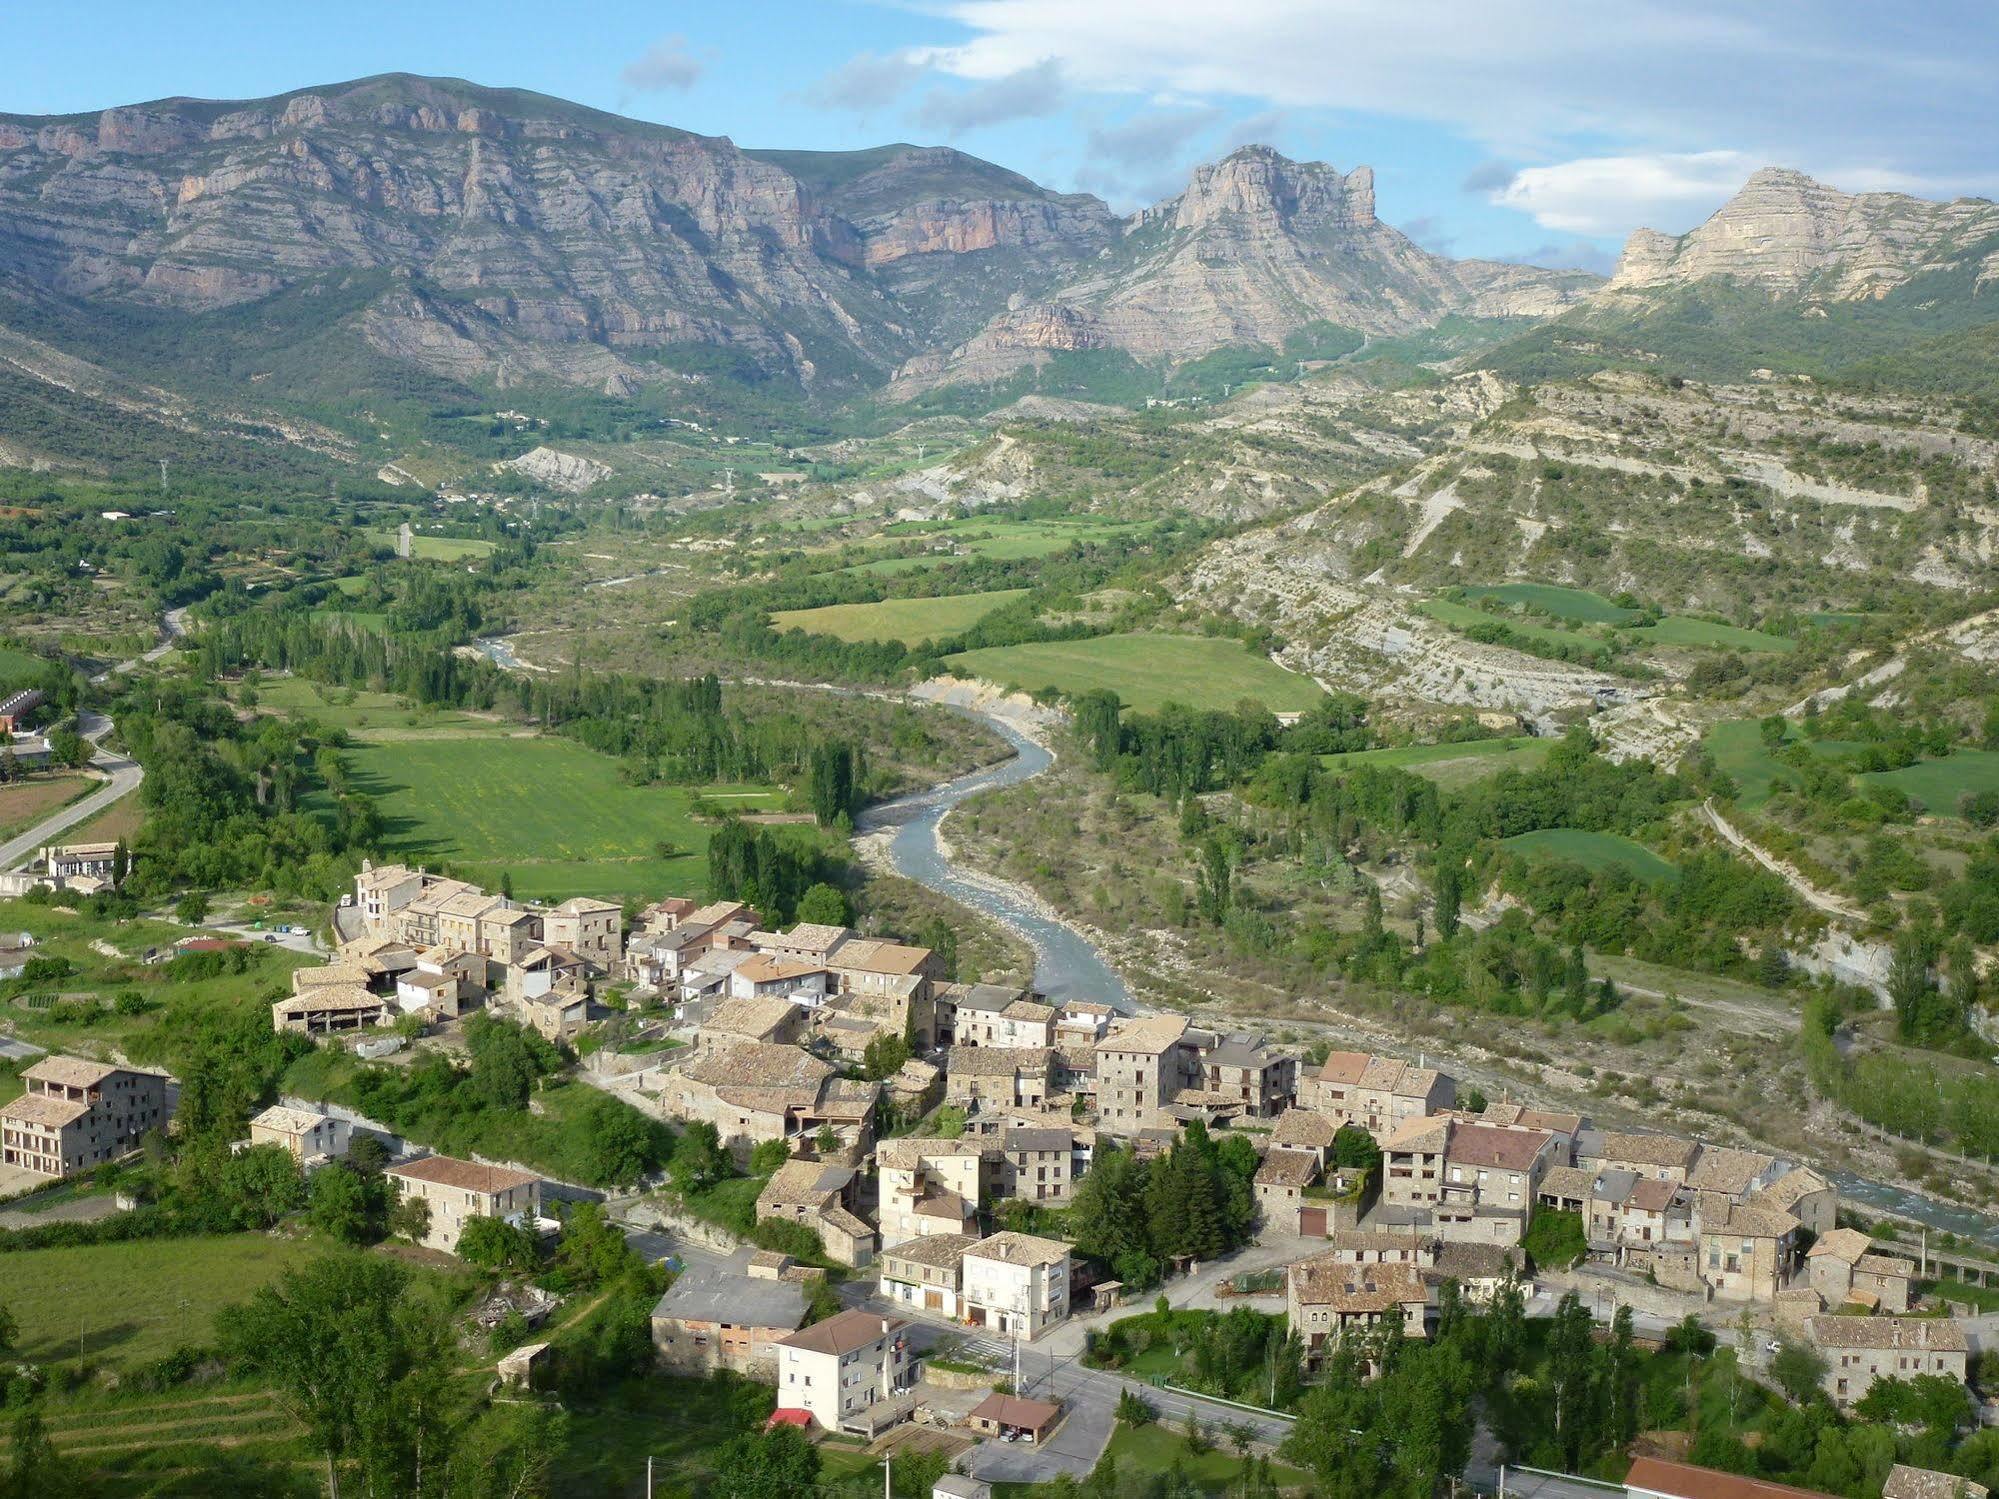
[(1066, 966)]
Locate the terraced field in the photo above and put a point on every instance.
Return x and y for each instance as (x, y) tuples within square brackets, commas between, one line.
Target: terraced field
[(910, 621), (1464, 617), (1678, 629), (1939, 784), (1450, 765), (1145, 671), (1577, 604), (1592, 851)]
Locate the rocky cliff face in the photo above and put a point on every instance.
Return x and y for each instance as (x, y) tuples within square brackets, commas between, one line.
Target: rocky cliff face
[(1254, 249), (1789, 235), (495, 235)]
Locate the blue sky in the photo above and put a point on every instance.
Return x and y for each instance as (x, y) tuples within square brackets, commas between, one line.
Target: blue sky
[(1528, 129)]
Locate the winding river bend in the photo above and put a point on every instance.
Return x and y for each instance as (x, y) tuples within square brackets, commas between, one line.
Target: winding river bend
[(1066, 966)]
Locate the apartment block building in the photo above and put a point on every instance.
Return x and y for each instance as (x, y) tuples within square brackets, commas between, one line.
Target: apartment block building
[(459, 1191), (75, 1114), (1377, 1094), (1016, 1284), (1860, 1350), (1139, 1071), (851, 1372)]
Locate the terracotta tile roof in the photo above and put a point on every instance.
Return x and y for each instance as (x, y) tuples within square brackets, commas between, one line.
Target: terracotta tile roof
[(1466, 1261), (1567, 1182), (908, 1152), (41, 1109), (1020, 1249), (760, 1064), (997, 1061), (465, 1176), (1012, 1410), (1148, 1035), (1356, 1288), (1917, 1334), (1500, 1149), (1654, 1475), (286, 1121), (1377, 1240), (1843, 1243), (869, 955), (1797, 1183), (1424, 1135), (332, 973), (1287, 1168), (70, 1072), (1905, 1482), (338, 998), (1745, 1220), (1415, 1082), (767, 968), (1718, 1169), (752, 1018), (1646, 1150), (939, 1251), (1651, 1195), (1884, 1264), (844, 1332), (1303, 1127), (1343, 1066)]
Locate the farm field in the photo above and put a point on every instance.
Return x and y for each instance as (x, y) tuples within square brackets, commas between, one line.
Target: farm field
[(889, 567), (18, 666), (24, 803), (910, 621), (1577, 604), (1678, 629), (1591, 850), (558, 818), (1013, 540), (1146, 671), (436, 548), (1739, 752), (370, 715), (121, 820), (1938, 784), (139, 1300), (1464, 617), (1450, 765)]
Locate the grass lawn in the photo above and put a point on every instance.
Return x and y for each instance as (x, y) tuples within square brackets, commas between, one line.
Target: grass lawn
[(98, 977), (1738, 750), (1938, 784), (1450, 765), (1148, 1452), (436, 548), (909, 620), (137, 1301), (1592, 850), (1464, 617), (19, 666), (1014, 540), (369, 715), (121, 820), (557, 816), (1146, 671), (680, 1423), (25, 803), (888, 567), (1678, 629), (1577, 604)]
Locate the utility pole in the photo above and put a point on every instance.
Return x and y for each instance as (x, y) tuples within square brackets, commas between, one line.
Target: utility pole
[(648, 1478), (888, 1467)]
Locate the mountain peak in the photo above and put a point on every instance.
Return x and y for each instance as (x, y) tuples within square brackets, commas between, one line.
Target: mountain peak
[(1256, 181), (1786, 232)]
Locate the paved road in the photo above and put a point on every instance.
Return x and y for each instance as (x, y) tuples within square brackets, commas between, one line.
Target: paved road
[(124, 775)]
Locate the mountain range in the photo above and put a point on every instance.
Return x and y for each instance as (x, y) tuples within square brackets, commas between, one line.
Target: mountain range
[(332, 252)]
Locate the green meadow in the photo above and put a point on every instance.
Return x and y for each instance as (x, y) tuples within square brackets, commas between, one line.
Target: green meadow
[(910, 621), (1592, 851)]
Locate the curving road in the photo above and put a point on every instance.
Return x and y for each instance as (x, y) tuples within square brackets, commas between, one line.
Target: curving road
[(122, 775)]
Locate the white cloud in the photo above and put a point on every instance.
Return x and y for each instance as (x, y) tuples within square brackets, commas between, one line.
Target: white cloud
[(666, 65), (1816, 84), (1611, 194), (1025, 94), (865, 82)]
